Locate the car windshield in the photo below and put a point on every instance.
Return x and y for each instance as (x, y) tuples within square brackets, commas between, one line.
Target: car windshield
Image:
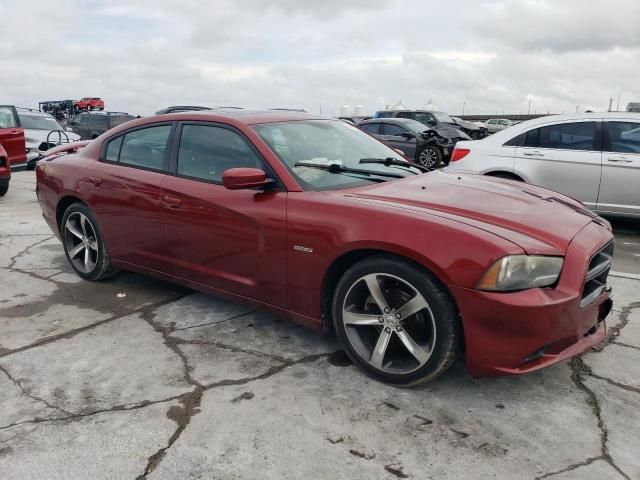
[(415, 126), (329, 142), (442, 117), (38, 122)]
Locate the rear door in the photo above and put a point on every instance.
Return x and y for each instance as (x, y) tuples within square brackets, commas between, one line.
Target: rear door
[(620, 185), (399, 137), (125, 193), (12, 135), (565, 157)]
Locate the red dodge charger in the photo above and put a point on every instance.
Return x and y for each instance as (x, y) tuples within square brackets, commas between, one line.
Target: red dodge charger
[(318, 221)]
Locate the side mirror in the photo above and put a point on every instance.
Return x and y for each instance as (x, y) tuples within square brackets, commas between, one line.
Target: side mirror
[(244, 178), (408, 135)]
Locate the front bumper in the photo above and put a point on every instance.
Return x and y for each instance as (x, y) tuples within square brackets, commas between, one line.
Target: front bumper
[(520, 332)]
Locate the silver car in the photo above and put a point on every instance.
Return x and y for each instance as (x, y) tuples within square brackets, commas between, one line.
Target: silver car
[(593, 157)]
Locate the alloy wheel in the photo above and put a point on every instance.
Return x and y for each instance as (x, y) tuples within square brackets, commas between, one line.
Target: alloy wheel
[(80, 242), (429, 157), (389, 323)]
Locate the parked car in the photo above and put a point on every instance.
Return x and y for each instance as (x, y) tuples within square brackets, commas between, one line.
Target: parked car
[(88, 104), (5, 172), (594, 158), (42, 132), (318, 221), (417, 141), (497, 124), (12, 135), (182, 108), (92, 125), (476, 132), (442, 123), (355, 119)]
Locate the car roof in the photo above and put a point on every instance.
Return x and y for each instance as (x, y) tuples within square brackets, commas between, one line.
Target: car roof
[(388, 120), (247, 117)]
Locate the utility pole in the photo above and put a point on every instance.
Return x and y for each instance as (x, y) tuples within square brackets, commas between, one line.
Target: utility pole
[(618, 106), (610, 104), (463, 104), (529, 109)]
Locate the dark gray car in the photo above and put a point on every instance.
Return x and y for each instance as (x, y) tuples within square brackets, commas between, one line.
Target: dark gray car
[(92, 125)]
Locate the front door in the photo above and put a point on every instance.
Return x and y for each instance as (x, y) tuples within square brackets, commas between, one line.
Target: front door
[(12, 135), (565, 157), (232, 240), (620, 185), (399, 137), (124, 189)]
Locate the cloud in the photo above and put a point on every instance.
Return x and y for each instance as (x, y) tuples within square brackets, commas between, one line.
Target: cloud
[(492, 56)]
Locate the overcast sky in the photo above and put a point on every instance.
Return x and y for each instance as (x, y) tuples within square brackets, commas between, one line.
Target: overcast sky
[(492, 56)]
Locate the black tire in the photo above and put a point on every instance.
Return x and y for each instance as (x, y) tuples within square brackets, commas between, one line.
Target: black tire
[(4, 189), (99, 267), (429, 157), (440, 315)]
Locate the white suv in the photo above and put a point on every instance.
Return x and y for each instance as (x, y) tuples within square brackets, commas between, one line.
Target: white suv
[(41, 132), (593, 157)]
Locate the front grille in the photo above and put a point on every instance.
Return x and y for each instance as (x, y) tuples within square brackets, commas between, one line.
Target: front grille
[(596, 279)]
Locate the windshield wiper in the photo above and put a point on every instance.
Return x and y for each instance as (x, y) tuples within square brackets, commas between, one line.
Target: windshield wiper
[(337, 168), (394, 161)]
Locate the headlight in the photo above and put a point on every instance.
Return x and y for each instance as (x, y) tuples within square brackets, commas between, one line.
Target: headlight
[(519, 272), (31, 140)]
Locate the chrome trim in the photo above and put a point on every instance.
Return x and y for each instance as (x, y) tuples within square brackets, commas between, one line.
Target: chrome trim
[(592, 296), (599, 268)]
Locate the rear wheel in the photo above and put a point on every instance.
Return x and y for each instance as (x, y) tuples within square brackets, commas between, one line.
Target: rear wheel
[(83, 244), (4, 189), (396, 321)]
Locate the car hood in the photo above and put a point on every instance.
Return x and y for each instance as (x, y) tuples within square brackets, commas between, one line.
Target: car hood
[(41, 135), (537, 220), (448, 131)]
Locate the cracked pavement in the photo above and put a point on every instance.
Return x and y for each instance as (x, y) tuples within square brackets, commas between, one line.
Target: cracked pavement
[(166, 383)]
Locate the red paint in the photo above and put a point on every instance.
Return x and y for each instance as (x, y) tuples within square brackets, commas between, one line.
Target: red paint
[(5, 169), (240, 243), (12, 136)]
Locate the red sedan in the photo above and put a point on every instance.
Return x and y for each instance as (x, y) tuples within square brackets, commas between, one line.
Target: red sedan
[(316, 220)]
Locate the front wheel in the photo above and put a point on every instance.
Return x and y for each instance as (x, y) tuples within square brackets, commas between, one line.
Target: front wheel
[(83, 244), (396, 321), (4, 189), (430, 157)]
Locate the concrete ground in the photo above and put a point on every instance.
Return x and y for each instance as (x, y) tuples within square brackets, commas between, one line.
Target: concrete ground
[(135, 378)]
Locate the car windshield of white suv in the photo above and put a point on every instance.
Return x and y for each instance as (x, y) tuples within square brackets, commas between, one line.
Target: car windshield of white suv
[(327, 154), (38, 122)]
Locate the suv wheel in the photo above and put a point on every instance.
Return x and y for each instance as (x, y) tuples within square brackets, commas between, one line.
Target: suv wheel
[(430, 157)]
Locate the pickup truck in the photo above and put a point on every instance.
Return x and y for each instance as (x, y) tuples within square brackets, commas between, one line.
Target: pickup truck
[(12, 135)]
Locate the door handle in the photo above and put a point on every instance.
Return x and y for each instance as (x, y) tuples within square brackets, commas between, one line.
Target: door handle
[(171, 201), (15, 132), (533, 153), (95, 180), (619, 159)]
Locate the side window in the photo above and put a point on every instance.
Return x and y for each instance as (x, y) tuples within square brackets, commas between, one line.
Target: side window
[(392, 130), (113, 149), (531, 138), (206, 152), (7, 118), (98, 121), (624, 137), (384, 114), (371, 128), (516, 141), (145, 147), (568, 136)]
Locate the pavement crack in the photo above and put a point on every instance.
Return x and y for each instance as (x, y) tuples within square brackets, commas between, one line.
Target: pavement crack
[(73, 333), (215, 322), (15, 258), (77, 416), (232, 348), (622, 344), (27, 393), (578, 370)]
